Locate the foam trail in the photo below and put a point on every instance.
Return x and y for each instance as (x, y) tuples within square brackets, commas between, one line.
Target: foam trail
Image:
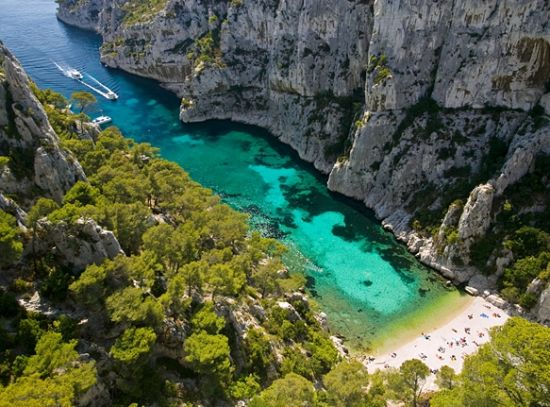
[(94, 89), (99, 83), (60, 68)]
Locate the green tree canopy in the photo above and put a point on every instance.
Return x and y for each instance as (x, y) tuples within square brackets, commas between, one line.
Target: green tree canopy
[(133, 345), (82, 193), (511, 370), (446, 378), (11, 246), (99, 281), (207, 320), (408, 382), (83, 100), (209, 355), (42, 208), (258, 348), (347, 385), (292, 390), (134, 305), (54, 376)]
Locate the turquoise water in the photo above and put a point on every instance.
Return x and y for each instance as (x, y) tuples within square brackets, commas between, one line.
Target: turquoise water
[(366, 283)]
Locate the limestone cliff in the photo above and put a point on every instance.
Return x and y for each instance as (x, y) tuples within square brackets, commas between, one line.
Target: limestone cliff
[(411, 107), (37, 160)]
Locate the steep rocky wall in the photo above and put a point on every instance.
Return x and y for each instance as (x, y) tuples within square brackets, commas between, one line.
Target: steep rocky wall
[(37, 160), (409, 105), (71, 12), (471, 53), (455, 78)]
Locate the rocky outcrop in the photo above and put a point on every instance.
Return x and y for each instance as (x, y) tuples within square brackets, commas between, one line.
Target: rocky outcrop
[(542, 309), (9, 206), (76, 245), (475, 218), (37, 160), (408, 106), (39, 166), (70, 12)]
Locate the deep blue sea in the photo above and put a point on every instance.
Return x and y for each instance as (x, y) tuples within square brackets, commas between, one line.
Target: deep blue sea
[(371, 288)]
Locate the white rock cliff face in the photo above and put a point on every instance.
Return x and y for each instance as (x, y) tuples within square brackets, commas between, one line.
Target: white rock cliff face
[(24, 128), (77, 245), (404, 104)]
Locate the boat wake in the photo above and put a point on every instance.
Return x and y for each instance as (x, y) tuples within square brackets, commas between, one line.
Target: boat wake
[(106, 93), (69, 72), (75, 74)]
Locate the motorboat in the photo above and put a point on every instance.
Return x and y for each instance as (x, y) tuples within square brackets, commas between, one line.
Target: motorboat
[(111, 95), (73, 73), (102, 120)]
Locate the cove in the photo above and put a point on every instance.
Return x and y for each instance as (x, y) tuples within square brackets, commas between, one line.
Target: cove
[(371, 288)]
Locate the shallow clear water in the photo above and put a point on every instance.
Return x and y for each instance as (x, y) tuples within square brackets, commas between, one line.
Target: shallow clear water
[(369, 286)]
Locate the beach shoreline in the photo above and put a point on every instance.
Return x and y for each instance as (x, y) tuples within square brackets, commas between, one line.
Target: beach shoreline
[(448, 344), (410, 327)]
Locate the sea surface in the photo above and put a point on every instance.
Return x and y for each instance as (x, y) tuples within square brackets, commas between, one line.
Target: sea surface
[(371, 288)]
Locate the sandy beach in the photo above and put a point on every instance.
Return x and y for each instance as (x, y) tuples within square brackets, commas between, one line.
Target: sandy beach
[(448, 344)]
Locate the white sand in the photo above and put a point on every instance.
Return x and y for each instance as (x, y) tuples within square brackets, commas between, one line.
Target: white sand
[(430, 350)]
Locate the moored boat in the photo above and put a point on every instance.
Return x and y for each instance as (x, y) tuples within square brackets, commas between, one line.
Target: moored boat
[(102, 120)]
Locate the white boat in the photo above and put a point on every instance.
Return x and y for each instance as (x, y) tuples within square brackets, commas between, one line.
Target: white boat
[(69, 72), (111, 95), (73, 73), (102, 120)]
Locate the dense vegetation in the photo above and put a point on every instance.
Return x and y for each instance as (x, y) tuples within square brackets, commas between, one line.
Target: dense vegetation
[(198, 308), (511, 370)]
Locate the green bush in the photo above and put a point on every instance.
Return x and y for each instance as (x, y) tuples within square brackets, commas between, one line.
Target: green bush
[(28, 333), (133, 345), (11, 246), (528, 300)]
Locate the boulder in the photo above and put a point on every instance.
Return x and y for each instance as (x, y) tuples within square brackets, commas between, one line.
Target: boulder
[(476, 216), (471, 290), (542, 309), (76, 245), (496, 301)]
